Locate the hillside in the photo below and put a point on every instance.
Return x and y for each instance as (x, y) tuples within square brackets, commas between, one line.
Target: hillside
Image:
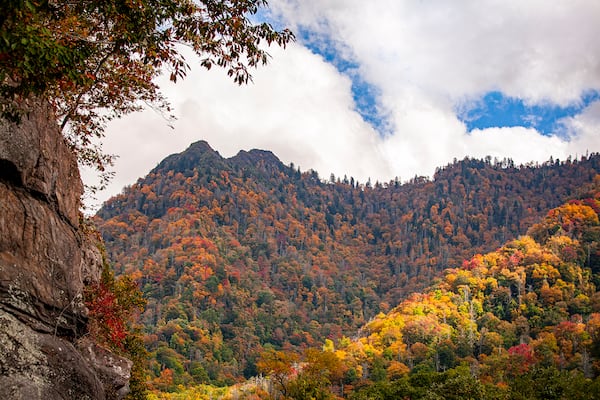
[(521, 322), (242, 253)]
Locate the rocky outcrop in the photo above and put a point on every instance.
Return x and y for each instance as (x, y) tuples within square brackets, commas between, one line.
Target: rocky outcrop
[(45, 263)]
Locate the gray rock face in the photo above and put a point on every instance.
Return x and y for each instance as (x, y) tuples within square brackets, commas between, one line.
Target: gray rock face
[(45, 263), (38, 365)]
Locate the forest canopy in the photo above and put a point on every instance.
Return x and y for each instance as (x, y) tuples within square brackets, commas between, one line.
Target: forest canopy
[(95, 60)]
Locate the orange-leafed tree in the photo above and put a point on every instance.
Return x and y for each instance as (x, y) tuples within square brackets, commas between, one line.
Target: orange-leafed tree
[(279, 365)]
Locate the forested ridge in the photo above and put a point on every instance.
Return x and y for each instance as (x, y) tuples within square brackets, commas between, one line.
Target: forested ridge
[(244, 254), (520, 322)]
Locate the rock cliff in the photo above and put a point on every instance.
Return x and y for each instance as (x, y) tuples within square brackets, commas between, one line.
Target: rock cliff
[(45, 262)]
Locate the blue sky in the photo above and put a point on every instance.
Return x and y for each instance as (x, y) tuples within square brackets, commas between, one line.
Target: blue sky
[(494, 109), (366, 95), (385, 88)]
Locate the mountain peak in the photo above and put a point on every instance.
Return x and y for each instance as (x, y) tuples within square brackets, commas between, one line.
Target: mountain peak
[(255, 156), (201, 146), (197, 153)]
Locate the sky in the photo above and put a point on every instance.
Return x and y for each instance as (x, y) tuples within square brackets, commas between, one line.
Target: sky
[(385, 89)]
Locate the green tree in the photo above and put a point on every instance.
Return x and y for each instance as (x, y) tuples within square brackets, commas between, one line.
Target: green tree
[(550, 383), (306, 387)]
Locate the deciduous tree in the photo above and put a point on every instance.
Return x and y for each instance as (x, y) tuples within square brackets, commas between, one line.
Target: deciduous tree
[(96, 60)]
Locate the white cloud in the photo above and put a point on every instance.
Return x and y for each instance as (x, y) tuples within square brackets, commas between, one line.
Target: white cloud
[(520, 144), (298, 106), (585, 131), (425, 57), (534, 49), (429, 57)]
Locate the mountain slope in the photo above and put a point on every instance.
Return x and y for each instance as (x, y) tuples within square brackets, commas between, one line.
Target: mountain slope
[(235, 254), (519, 317)]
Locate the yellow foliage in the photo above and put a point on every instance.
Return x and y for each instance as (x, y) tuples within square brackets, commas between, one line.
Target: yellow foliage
[(545, 271), (396, 370)]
